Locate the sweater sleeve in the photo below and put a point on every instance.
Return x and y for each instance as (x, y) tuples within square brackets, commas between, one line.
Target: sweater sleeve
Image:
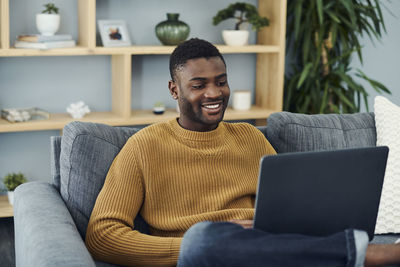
[(110, 236)]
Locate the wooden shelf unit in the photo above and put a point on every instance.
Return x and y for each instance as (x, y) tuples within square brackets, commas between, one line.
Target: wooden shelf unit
[(6, 210), (130, 50), (270, 52)]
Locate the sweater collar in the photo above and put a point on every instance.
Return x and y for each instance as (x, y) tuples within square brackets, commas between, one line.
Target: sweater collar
[(209, 136)]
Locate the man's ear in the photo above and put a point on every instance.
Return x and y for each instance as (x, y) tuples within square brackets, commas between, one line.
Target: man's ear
[(173, 89)]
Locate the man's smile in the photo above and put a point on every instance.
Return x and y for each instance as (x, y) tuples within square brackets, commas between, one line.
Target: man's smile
[(212, 107)]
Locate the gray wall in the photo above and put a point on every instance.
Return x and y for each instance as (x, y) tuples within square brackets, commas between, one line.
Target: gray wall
[(381, 58), (53, 83)]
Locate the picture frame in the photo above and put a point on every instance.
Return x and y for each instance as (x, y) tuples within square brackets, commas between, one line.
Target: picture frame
[(114, 33)]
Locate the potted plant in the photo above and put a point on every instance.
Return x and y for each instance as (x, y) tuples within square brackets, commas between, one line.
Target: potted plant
[(11, 181), (48, 21), (321, 37), (242, 13)]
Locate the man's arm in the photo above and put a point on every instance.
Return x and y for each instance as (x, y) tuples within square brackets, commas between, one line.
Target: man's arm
[(109, 235)]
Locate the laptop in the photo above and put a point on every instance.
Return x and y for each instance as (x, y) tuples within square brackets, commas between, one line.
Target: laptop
[(320, 193)]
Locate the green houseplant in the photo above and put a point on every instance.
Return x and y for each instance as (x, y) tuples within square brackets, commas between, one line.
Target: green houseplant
[(50, 8), (242, 13), (11, 181), (323, 35), (48, 21)]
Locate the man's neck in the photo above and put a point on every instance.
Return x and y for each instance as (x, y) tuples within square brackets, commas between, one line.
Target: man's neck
[(195, 126)]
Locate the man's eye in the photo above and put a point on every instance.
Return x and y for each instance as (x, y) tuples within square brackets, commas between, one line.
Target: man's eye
[(221, 83), (197, 86)]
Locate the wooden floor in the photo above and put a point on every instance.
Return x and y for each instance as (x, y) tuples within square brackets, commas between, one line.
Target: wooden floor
[(7, 258)]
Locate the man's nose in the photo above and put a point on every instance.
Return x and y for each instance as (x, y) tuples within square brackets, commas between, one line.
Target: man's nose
[(213, 92)]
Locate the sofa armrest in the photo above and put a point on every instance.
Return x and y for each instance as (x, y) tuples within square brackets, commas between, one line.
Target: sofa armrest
[(45, 233)]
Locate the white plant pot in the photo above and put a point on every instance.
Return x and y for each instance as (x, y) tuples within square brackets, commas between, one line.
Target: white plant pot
[(10, 195), (47, 24), (235, 37)]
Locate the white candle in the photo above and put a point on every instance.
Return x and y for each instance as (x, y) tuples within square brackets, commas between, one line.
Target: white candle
[(241, 100)]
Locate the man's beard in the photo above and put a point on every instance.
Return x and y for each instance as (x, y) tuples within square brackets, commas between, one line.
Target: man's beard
[(197, 115)]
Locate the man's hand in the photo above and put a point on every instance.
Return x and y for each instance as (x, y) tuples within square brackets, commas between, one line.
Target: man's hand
[(244, 223)]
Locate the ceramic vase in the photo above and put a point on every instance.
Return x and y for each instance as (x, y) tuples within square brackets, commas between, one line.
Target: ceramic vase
[(172, 31), (47, 24)]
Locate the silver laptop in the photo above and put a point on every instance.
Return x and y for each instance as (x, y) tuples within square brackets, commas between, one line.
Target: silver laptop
[(320, 193)]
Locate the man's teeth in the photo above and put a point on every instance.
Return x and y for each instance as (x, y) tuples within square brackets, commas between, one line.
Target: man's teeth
[(212, 106)]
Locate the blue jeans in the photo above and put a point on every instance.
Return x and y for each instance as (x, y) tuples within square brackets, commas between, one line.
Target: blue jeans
[(228, 244)]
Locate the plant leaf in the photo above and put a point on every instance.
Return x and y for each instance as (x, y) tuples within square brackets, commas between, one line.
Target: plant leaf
[(320, 12), (304, 74)]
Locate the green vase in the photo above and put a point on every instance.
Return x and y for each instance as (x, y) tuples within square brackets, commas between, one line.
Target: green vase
[(172, 31)]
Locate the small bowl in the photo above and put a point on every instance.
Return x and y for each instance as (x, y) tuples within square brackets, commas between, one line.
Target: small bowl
[(158, 110)]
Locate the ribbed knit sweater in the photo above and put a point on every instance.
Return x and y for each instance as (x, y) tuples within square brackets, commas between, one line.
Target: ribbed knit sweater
[(174, 178)]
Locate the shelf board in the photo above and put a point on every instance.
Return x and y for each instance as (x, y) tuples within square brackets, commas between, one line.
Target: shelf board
[(57, 121), (166, 50), (72, 51), (133, 50), (6, 210), (254, 113)]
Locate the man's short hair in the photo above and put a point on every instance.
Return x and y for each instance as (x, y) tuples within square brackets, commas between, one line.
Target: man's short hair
[(191, 49)]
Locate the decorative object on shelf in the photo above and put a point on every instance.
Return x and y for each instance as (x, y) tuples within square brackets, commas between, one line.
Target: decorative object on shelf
[(11, 181), (243, 13), (24, 114), (114, 33), (158, 108), (323, 35), (172, 31), (241, 100), (48, 21), (44, 42), (45, 45), (78, 110), (38, 38)]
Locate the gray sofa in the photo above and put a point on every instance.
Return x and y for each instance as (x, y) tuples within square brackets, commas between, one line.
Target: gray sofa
[(51, 218)]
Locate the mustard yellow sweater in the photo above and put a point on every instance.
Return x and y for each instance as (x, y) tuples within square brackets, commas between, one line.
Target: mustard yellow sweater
[(174, 178)]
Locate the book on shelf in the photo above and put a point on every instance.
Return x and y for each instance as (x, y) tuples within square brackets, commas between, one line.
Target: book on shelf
[(38, 38), (45, 45)]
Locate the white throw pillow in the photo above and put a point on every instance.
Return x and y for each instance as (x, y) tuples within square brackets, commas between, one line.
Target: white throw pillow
[(387, 122)]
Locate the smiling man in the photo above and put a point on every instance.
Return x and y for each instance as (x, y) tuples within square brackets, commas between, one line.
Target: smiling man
[(175, 174), (197, 176)]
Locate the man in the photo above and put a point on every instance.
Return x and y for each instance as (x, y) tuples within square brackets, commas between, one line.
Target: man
[(194, 169)]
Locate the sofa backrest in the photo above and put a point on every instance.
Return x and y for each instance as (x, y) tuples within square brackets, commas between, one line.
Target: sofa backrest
[(55, 150), (290, 132), (87, 151)]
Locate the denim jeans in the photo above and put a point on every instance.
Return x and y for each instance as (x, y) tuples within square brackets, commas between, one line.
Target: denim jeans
[(228, 244)]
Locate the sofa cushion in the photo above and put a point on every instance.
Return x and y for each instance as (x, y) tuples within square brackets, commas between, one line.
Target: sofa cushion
[(388, 127), (55, 150), (292, 132), (87, 151)]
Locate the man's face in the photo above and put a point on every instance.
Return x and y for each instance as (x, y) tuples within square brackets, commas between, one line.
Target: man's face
[(203, 93)]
